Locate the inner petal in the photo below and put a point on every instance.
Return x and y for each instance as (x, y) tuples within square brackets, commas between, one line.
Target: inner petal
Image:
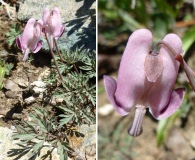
[(136, 128), (153, 67)]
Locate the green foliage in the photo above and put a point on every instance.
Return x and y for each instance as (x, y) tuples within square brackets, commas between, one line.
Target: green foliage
[(51, 127), (159, 16), (116, 144), (12, 34), (188, 38), (4, 71), (78, 89), (33, 135)]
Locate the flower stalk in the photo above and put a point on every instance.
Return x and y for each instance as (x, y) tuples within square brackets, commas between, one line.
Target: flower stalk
[(52, 54)]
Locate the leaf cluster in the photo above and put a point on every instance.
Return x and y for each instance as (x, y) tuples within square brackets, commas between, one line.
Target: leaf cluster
[(12, 34), (78, 89), (39, 132)]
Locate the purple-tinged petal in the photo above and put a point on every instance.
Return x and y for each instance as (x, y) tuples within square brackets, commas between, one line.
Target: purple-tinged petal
[(25, 57), (46, 14), (38, 47), (61, 32), (136, 128), (174, 103), (40, 22), (56, 23), (110, 87), (159, 93), (46, 21), (18, 42), (28, 33), (37, 30), (131, 77)]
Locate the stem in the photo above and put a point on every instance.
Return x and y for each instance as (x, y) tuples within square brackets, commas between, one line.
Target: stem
[(154, 51), (136, 128), (52, 54), (61, 55), (75, 68), (58, 50), (189, 72)]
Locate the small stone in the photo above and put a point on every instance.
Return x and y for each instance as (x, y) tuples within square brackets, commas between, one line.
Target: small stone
[(38, 90), (40, 84), (29, 100), (11, 94), (105, 110), (10, 85), (192, 141)]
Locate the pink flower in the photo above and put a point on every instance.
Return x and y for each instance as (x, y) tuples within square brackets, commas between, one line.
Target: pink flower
[(52, 24), (146, 79), (30, 39)]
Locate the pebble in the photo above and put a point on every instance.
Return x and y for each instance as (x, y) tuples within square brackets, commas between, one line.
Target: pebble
[(105, 110)]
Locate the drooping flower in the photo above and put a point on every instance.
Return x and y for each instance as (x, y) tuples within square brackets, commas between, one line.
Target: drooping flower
[(30, 39), (146, 79), (52, 24)]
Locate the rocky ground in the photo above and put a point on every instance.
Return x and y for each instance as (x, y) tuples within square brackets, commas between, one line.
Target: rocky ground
[(23, 88)]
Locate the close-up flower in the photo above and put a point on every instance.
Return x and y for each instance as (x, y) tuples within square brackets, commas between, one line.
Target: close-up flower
[(52, 24), (146, 79), (30, 41)]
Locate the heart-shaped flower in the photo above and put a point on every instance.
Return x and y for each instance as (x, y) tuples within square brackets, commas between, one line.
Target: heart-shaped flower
[(30, 39), (146, 79)]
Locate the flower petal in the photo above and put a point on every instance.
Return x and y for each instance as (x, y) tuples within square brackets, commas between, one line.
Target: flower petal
[(56, 23), (110, 87), (36, 38), (159, 95), (28, 33), (131, 76), (174, 103), (26, 53), (38, 47), (18, 42), (46, 14)]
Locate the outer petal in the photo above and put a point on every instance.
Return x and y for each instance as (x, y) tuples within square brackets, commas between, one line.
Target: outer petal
[(28, 33), (36, 36), (174, 103), (131, 76), (38, 47), (18, 42), (26, 53), (160, 93), (46, 20), (46, 14), (110, 86), (56, 23)]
